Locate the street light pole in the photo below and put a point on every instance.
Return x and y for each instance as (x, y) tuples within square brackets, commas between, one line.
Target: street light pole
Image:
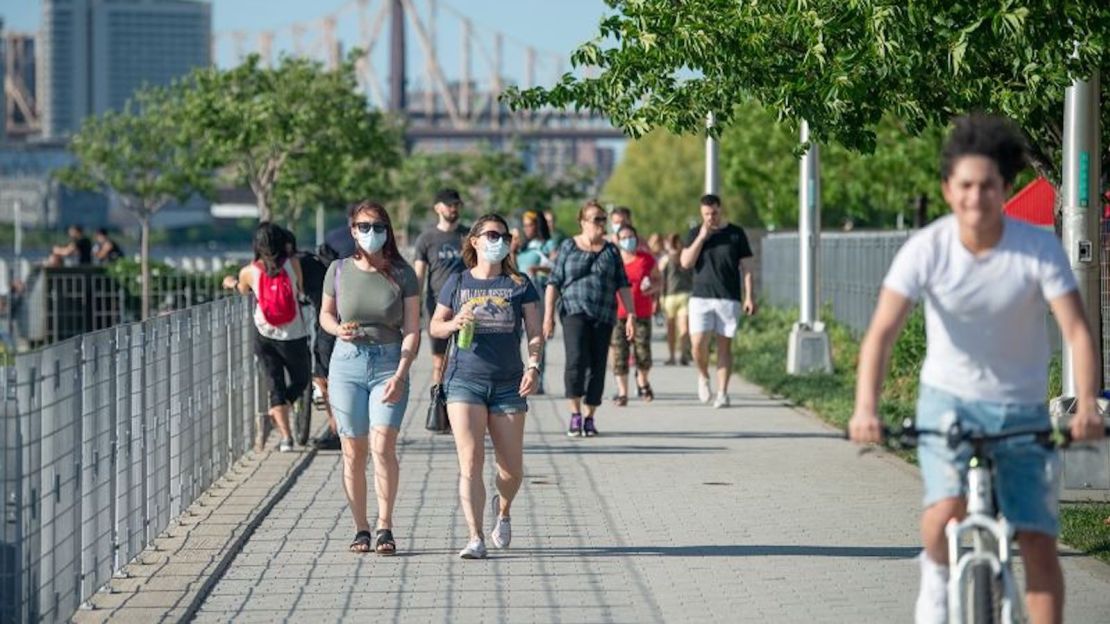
[(1082, 207), (809, 350), (712, 172)]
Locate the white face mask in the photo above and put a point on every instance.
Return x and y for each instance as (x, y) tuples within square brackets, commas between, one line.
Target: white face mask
[(615, 227), (495, 252), (372, 241), (628, 244)]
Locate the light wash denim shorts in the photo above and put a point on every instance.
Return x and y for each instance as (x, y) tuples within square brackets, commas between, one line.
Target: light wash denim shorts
[(357, 375), (1027, 475), (499, 397)]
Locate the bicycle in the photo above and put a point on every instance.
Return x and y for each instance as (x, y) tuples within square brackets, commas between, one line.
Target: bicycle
[(981, 585)]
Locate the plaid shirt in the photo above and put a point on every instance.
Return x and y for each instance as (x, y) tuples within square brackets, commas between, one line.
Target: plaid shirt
[(585, 289)]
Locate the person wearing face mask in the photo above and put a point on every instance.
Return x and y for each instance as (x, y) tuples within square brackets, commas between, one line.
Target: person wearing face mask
[(371, 304), (486, 380), (585, 281), (644, 280), (438, 257)]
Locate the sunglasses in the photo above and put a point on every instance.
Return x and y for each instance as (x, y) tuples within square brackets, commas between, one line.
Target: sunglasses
[(366, 226), (493, 236), (598, 220)]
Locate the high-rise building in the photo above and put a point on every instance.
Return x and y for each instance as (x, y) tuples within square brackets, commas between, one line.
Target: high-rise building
[(94, 54)]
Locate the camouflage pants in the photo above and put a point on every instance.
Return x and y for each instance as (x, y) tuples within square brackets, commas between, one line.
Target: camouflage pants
[(640, 345)]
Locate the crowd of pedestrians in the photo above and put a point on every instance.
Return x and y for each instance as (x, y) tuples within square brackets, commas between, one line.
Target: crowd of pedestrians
[(487, 293)]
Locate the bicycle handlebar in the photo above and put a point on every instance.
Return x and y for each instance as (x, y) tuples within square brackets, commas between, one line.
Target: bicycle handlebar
[(1049, 437)]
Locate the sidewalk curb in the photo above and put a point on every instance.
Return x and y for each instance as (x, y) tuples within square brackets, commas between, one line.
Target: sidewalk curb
[(237, 545)]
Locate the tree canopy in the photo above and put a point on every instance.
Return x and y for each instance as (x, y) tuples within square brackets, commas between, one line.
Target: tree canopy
[(840, 64), (660, 176), (146, 155), (298, 135)]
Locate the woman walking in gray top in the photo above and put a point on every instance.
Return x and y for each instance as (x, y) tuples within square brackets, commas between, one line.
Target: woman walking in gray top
[(372, 304)]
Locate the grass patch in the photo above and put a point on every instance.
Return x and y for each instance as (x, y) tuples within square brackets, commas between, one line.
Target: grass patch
[(761, 358), (1086, 527)]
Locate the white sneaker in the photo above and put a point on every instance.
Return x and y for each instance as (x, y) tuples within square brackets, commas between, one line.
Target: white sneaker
[(704, 392), (502, 534), (932, 598), (286, 445), (475, 549), (722, 401)]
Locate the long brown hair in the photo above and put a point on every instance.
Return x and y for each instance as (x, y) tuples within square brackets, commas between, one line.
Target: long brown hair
[(470, 254), (390, 259)]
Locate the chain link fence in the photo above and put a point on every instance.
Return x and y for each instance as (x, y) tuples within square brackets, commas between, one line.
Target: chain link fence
[(851, 270), (106, 437)]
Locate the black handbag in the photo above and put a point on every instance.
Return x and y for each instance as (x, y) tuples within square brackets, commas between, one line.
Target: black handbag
[(436, 420)]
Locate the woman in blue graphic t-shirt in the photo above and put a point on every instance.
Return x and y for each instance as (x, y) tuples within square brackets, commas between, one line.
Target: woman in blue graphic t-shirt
[(487, 383)]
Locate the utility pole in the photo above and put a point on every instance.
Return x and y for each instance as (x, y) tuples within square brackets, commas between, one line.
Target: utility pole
[(712, 172), (1082, 209), (809, 350)]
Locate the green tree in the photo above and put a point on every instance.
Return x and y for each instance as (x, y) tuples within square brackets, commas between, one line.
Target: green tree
[(144, 155), (661, 175), (489, 181), (299, 136), (840, 64), (660, 178)]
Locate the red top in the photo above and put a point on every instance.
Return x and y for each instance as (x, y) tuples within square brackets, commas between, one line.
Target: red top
[(637, 269)]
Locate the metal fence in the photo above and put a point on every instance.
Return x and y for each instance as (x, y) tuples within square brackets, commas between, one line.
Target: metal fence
[(852, 267), (104, 438), (60, 303)]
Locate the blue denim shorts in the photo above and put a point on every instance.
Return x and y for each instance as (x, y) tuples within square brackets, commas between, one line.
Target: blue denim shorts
[(499, 397), (1027, 475), (357, 375)]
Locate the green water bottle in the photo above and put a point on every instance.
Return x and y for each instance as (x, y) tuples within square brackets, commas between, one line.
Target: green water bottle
[(465, 338)]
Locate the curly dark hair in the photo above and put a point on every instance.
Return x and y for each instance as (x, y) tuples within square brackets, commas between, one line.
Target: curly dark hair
[(991, 136)]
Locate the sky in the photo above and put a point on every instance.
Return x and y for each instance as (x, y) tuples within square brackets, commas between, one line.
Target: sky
[(553, 27)]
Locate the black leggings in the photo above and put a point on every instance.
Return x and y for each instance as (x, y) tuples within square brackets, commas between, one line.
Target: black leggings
[(587, 347), (278, 357)]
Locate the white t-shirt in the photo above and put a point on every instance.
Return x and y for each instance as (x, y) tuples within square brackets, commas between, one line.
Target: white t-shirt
[(985, 324)]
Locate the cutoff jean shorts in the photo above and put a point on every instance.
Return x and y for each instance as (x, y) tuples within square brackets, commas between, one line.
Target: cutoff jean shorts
[(499, 397), (357, 376), (1027, 475)]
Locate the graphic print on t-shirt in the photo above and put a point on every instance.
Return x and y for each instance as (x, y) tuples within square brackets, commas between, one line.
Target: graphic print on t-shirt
[(493, 310)]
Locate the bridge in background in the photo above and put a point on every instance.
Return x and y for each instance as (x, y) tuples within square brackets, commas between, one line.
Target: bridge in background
[(444, 114)]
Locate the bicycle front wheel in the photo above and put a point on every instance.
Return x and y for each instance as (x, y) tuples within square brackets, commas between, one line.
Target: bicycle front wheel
[(984, 595)]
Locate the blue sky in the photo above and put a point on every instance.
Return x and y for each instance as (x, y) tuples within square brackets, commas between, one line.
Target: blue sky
[(554, 27)]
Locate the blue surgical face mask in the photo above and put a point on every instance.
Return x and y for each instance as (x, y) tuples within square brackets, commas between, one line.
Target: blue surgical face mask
[(372, 241), (615, 227), (628, 244), (495, 252)]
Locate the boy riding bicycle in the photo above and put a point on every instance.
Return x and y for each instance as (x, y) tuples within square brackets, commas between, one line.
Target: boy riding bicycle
[(985, 280)]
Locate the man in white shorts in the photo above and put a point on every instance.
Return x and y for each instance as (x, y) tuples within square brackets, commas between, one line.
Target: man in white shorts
[(716, 252)]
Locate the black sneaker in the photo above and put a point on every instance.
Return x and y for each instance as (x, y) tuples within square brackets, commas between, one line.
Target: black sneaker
[(588, 428), (328, 442), (575, 428)]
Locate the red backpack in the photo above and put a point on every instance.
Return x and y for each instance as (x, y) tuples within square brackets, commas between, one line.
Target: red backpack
[(275, 297)]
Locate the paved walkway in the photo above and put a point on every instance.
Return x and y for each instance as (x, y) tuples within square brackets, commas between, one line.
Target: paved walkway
[(677, 513)]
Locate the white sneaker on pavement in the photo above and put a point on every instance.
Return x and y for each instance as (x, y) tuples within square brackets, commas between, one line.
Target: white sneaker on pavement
[(932, 599), (475, 549), (704, 392), (286, 445), (722, 401), (502, 533)]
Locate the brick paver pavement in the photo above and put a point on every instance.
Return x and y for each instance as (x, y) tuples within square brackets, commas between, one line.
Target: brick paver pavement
[(677, 513)]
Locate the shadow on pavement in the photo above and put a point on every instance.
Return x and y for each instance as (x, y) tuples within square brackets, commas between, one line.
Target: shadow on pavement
[(724, 550), (730, 435)]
